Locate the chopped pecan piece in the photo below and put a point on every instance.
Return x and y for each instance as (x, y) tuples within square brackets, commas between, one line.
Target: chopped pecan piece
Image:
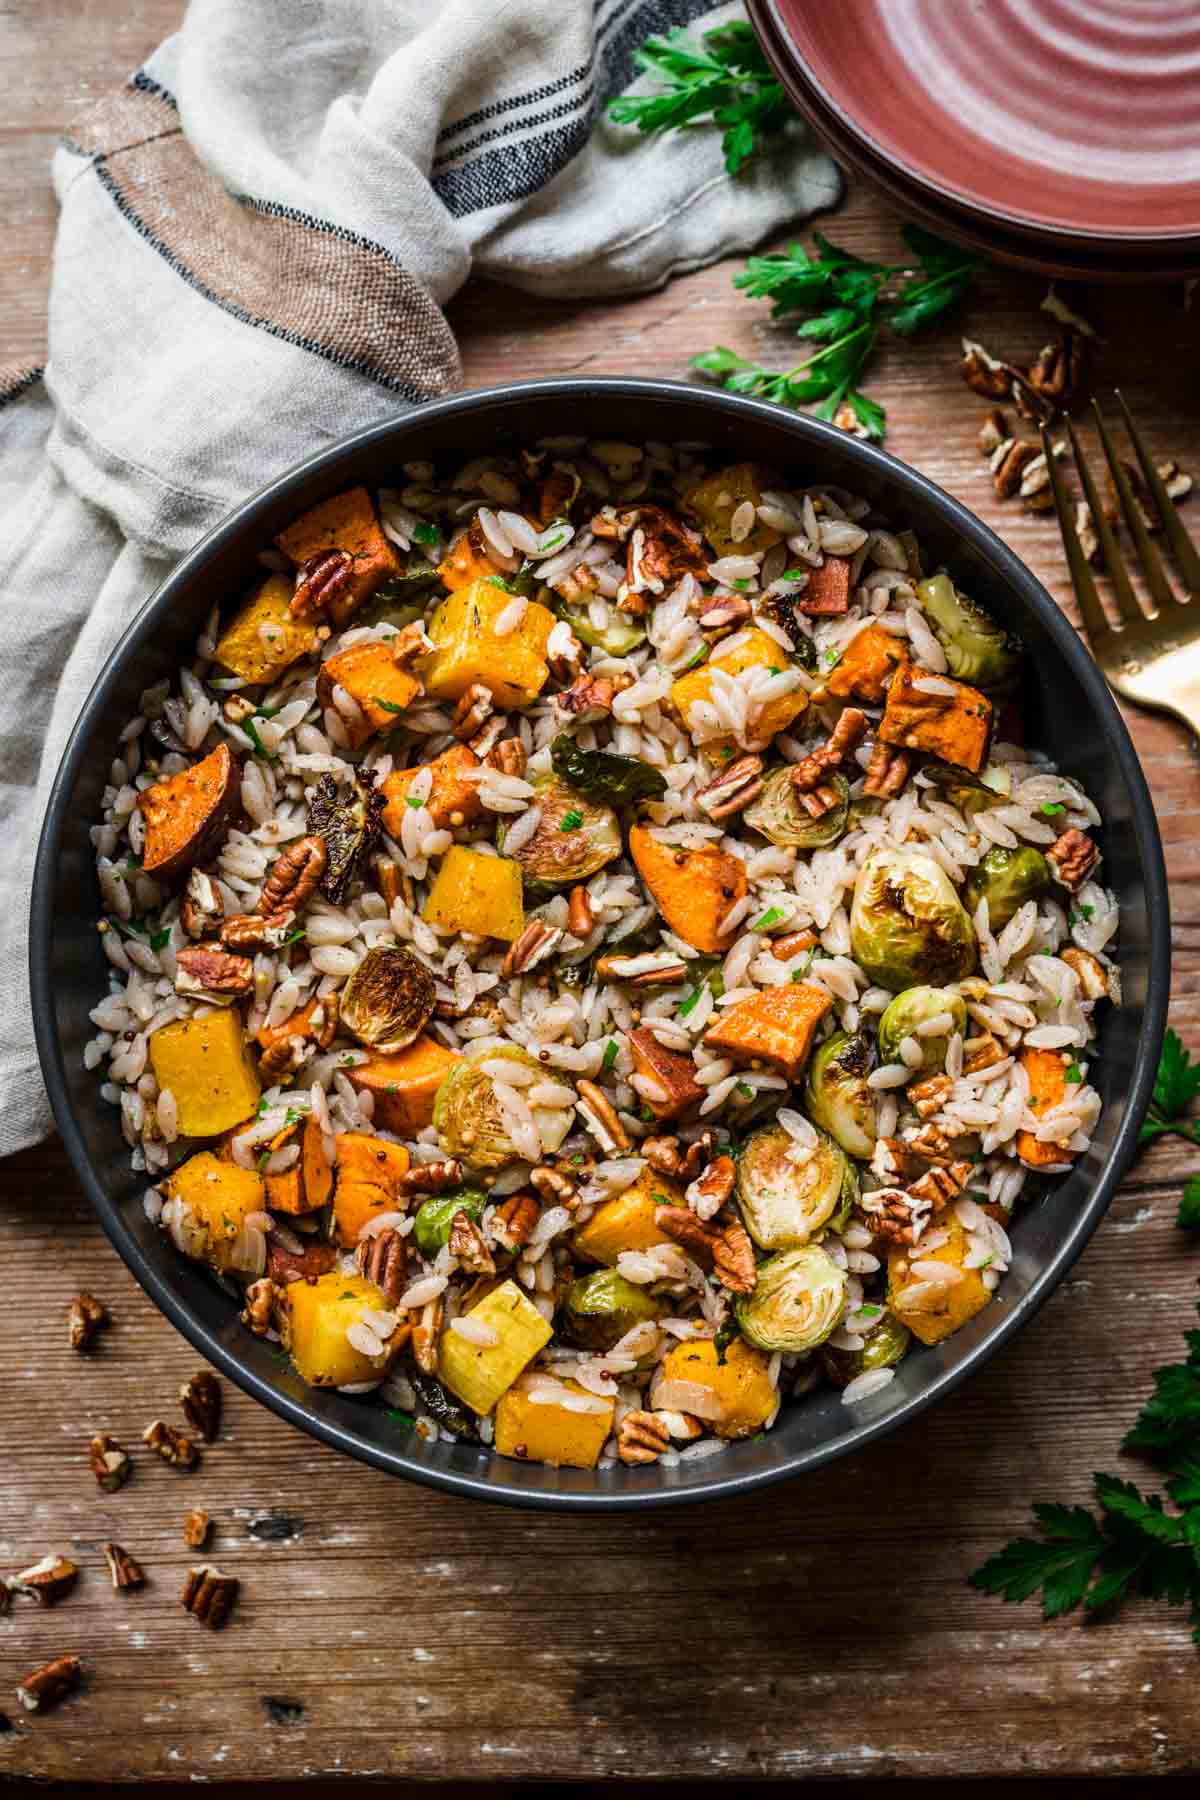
[(426, 1328), (733, 789), (669, 1157), (535, 944), (733, 1259), (600, 1116), (931, 1144), (826, 591), (580, 917), (1058, 372), (200, 1399), (488, 735), (993, 432), (985, 1054), (514, 1219), (293, 877), (1072, 857), (287, 1047), (211, 970), (1095, 981), (939, 1186), (466, 1243), (110, 1462), (811, 774), (710, 1190), (323, 578), (887, 771), (45, 1687), (719, 617), (984, 374), (173, 1446), (246, 932), (431, 1177), (661, 551), (383, 1259), (589, 697), (410, 643), (201, 909), (85, 1317), (892, 1215), (474, 708), (642, 1437), (793, 943), (125, 1570), (1009, 466), (554, 1187), (631, 970), (47, 1581), (209, 1595), (258, 1314), (196, 1528), (508, 756)]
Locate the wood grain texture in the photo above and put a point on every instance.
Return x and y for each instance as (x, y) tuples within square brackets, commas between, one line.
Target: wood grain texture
[(822, 1629)]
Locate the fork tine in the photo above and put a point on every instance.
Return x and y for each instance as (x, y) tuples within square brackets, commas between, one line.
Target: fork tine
[(1152, 569), (1182, 547), (1127, 601), (1095, 623)]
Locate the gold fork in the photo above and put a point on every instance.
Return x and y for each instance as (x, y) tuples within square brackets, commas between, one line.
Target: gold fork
[(1152, 655)]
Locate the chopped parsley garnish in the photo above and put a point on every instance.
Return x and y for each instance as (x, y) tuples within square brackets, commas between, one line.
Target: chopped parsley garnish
[(1074, 1074), (554, 542), (293, 937), (251, 731), (611, 1052), (426, 534), (1083, 915), (869, 1312), (1052, 808), (646, 1114), (795, 574), (741, 583), (745, 1090), (689, 1005), (571, 821), (498, 581), (772, 916), (414, 803), (389, 706)]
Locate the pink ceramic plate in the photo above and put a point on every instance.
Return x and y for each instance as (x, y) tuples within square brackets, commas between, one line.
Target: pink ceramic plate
[(1077, 119)]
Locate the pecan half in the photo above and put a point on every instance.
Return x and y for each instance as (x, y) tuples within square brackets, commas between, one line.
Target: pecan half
[(258, 1314), (1058, 373), (110, 1462), (811, 774), (720, 617), (201, 910), (683, 1227), (793, 943), (425, 1332), (431, 1177), (514, 1219), (293, 876), (247, 932), (85, 1317), (488, 735), (931, 1144), (125, 1570), (1009, 465), (196, 1528), (709, 1192), (669, 1156), (410, 643), (200, 1399), (466, 1243), (47, 1581), (553, 1186), (508, 756), (287, 1047), (985, 374), (285, 1266), (567, 652), (535, 944), (642, 1437), (939, 1186), (733, 1259), (475, 707), (209, 1595), (1095, 982), (580, 917), (383, 1259), (600, 1117), (629, 970), (45, 1687), (982, 1053), (210, 969), (887, 771), (323, 578), (733, 789), (1072, 857), (173, 1446)]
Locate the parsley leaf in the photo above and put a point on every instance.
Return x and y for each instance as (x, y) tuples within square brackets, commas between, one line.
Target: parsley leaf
[(389, 706), (571, 821), (1188, 1215), (1061, 1562), (1176, 1085), (724, 80), (610, 1054), (426, 534)]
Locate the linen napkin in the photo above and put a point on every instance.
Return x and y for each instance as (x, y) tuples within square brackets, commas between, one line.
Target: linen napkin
[(257, 237)]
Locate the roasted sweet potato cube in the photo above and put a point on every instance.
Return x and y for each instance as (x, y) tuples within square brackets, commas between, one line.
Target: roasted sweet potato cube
[(827, 590), (370, 675), (468, 559), (1047, 1072), (674, 1072), (368, 1176), (317, 1174), (774, 1026), (453, 800), (344, 522), (285, 1191), (692, 889), (953, 723), (187, 815), (867, 665), (404, 1083)]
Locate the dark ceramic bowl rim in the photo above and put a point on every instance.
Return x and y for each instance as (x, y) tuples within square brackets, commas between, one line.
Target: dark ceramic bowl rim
[(804, 87), (1009, 570)]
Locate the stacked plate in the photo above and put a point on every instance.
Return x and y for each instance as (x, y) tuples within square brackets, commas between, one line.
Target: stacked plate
[(1061, 135)]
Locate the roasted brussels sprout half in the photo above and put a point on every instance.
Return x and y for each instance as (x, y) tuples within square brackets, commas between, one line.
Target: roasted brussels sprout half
[(349, 823), (620, 636), (970, 793), (907, 924), (978, 650), (848, 1199), (836, 1095), (431, 1227), (783, 1202), (388, 1000), (440, 1404), (602, 1307), (467, 1115), (884, 1345), (797, 1303), (913, 1008), (867, 806), (779, 815), (1006, 879), (612, 780), (783, 611), (575, 837)]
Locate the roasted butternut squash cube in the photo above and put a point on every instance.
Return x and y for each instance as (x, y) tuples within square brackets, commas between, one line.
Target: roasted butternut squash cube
[(866, 666), (569, 1433), (774, 1026), (953, 723), (715, 500), (1047, 1072), (404, 1083), (187, 815), (219, 1196), (469, 559), (754, 649), (468, 648), (672, 1070), (205, 1063), (932, 1310), (368, 1183), (344, 522), (369, 673), (626, 1222), (262, 639), (692, 889), (480, 1373), (317, 1316), (735, 1396), (285, 1191), (475, 892), (453, 800)]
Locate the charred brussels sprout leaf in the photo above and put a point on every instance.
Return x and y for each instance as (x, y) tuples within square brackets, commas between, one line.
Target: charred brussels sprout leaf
[(620, 636), (469, 1119), (779, 815), (1006, 879), (907, 925), (601, 1308), (916, 1006), (978, 650), (884, 1345), (784, 1203), (441, 1406), (836, 1094), (348, 820), (798, 1301), (431, 1227), (615, 780), (388, 1000), (785, 614), (575, 836)]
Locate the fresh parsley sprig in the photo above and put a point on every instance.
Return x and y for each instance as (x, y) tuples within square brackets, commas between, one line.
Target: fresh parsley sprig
[(1176, 1085), (849, 302), (724, 80)]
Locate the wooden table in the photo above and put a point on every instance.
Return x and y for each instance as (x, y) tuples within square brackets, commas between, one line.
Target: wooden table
[(823, 1628)]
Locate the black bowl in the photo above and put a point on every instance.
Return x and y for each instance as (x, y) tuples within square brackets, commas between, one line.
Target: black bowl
[(1070, 713)]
